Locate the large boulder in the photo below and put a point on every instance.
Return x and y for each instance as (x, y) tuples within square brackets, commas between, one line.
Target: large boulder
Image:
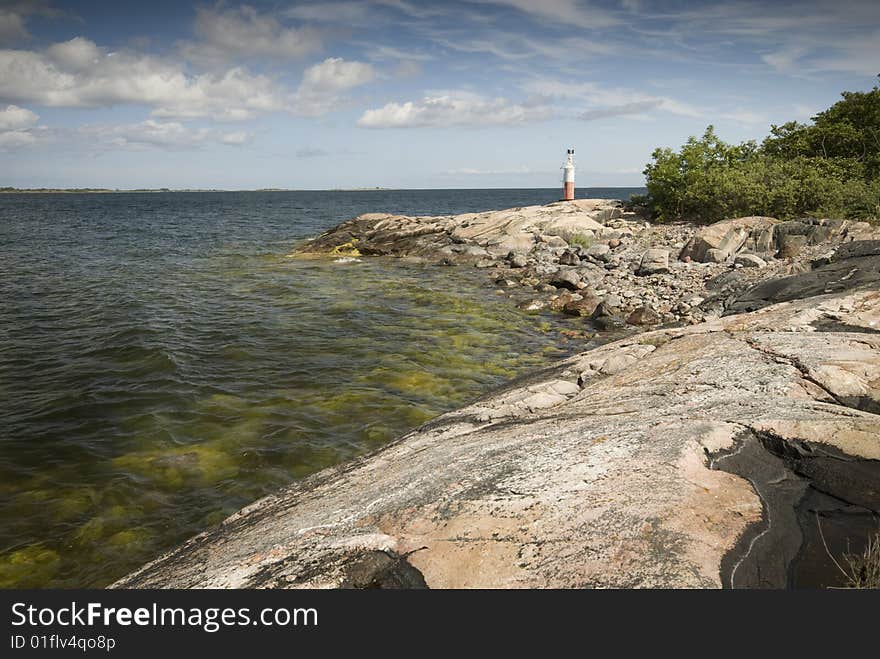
[(729, 236)]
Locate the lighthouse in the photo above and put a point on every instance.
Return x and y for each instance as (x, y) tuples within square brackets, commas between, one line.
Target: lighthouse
[(568, 176)]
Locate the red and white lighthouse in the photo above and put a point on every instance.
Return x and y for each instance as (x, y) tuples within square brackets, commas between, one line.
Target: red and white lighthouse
[(568, 176)]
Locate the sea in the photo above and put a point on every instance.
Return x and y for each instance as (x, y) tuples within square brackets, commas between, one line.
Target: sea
[(164, 360)]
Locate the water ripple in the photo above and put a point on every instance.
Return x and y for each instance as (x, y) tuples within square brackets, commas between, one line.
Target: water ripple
[(162, 363)]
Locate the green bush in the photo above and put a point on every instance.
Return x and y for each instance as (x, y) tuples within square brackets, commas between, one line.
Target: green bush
[(829, 168), (578, 239)]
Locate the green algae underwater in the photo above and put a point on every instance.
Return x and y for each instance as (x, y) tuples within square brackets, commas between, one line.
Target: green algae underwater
[(158, 375)]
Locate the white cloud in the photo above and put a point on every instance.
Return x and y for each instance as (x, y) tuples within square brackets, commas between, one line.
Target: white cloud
[(323, 84), (454, 108), (236, 138), (745, 117), (78, 73), (407, 69), (332, 12), (804, 111), (564, 12), (225, 34), (381, 52), (633, 6), (17, 127), (857, 54), (512, 47), (635, 107), (77, 55), (335, 74), (784, 60), (410, 9), (14, 139), (16, 118), (160, 134), (605, 102), (796, 38), (595, 101)]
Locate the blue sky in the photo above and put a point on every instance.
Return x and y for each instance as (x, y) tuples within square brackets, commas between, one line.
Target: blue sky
[(403, 93)]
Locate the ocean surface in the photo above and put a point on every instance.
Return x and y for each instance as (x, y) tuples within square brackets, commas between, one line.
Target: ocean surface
[(164, 362)]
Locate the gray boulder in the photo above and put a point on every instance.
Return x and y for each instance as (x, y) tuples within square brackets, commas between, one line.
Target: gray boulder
[(569, 257), (598, 250), (715, 256), (654, 261), (607, 314), (566, 278), (644, 315), (791, 244), (585, 306), (518, 260), (728, 236), (749, 261)]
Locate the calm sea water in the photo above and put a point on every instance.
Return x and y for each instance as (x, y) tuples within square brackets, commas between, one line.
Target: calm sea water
[(163, 362)]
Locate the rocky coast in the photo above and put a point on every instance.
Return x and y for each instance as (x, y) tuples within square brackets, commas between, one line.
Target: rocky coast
[(730, 439)]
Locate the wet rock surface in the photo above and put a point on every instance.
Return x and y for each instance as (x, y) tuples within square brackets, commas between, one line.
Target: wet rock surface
[(690, 456)]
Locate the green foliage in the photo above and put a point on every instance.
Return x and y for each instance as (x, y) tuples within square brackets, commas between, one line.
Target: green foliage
[(578, 239), (830, 168)]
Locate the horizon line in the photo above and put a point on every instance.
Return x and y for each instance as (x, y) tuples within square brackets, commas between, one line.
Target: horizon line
[(87, 189)]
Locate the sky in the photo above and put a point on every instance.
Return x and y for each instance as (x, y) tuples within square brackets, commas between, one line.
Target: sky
[(404, 93)]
